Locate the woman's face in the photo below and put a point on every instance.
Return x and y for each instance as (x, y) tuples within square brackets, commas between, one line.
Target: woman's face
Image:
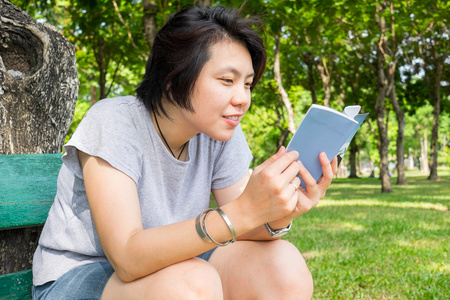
[(222, 93)]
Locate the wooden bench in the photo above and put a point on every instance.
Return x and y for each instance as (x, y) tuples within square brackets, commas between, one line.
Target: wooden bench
[(27, 190)]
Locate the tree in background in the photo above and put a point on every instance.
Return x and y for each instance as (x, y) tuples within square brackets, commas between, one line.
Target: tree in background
[(326, 52), (38, 84), (432, 41)]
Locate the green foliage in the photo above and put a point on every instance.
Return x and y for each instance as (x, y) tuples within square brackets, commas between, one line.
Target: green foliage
[(444, 139), (340, 35)]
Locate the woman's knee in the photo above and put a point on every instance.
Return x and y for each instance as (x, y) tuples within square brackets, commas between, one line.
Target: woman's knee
[(191, 279), (199, 280), (289, 272)]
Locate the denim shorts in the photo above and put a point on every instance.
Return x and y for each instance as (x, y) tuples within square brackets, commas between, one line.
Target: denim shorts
[(84, 282)]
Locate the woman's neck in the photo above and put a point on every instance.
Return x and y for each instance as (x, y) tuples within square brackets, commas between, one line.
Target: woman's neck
[(172, 131)]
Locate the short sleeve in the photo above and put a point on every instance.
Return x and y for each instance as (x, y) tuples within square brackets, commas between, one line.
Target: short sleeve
[(233, 161), (108, 131)]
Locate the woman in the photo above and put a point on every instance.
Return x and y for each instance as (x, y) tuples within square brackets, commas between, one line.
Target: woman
[(129, 219)]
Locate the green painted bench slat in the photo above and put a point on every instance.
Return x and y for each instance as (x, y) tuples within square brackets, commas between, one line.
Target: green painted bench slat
[(27, 188), (16, 286)]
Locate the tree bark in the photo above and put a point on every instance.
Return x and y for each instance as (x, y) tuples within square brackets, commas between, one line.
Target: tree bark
[(380, 106), (102, 66), (38, 92), (325, 75), (424, 166), (307, 57), (202, 3), (436, 98), (401, 176), (283, 138), (150, 30), (38, 84), (352, 160), (17, 247), (281, 90), (384, 143), (380, 110)]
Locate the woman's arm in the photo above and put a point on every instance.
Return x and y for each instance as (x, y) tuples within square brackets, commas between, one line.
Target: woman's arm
[(131, 250), (135, 252)]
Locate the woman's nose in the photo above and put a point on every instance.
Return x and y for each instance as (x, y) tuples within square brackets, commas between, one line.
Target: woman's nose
[(242, 97)]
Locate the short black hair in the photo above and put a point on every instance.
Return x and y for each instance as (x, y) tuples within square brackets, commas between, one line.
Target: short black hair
[(182, 47)]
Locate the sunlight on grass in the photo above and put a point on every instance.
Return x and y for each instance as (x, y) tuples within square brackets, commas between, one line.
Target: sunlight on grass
[(423, 205), (431, 197), (439, 267), (360, 243)]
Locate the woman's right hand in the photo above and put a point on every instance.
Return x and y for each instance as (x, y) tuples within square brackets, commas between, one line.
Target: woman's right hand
[(271, 192)]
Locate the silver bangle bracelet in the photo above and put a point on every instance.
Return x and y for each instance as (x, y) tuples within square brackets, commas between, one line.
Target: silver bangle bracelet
[(205, 230), (198, 226), (230, 226)]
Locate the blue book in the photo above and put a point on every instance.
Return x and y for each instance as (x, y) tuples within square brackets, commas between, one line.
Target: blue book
[(324, 129)]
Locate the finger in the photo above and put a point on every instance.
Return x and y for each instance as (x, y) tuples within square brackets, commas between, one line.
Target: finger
[(307, 178), (295, 183), (271, 160), (327, 170), (285, 165), (292, 191), (334, 165), (305, 203)]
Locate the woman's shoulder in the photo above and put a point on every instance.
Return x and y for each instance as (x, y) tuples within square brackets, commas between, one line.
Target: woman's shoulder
[(116, 103), (117, 108)]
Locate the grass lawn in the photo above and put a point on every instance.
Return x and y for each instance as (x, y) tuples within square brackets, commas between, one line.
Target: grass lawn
[(360, 243)]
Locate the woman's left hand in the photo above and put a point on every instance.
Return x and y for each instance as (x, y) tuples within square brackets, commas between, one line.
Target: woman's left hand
[(309, 197)]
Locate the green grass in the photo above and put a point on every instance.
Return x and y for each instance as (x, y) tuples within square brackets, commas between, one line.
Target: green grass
[(360, 243)]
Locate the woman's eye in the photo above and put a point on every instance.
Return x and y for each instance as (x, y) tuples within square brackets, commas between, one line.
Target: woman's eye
[(226, 80), (249, 85)]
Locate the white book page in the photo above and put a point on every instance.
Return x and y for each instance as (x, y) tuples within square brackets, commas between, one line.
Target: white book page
[(349, 112), (352, 111)]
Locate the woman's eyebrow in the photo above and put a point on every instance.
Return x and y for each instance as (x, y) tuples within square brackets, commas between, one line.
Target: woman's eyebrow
[(236, 71)]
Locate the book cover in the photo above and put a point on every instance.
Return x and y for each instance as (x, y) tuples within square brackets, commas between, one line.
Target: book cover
[(324, 129)]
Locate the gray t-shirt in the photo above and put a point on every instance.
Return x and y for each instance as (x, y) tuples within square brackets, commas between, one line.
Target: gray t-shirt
[(120, 131)]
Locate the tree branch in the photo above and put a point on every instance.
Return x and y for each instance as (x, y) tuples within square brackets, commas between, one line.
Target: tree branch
[(124, 24)]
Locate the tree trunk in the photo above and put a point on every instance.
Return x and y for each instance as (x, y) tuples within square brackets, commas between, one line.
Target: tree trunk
[(150, 30), (401, 177), (93, 94), (325, 76), (202, 3), (17, 248), (38, 92), (38, 84), (436, 98), (283, 138), (102, 68), (424, 167), (380, 110), (380, 106), (307, 57), (352, 158), (281, 90)]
